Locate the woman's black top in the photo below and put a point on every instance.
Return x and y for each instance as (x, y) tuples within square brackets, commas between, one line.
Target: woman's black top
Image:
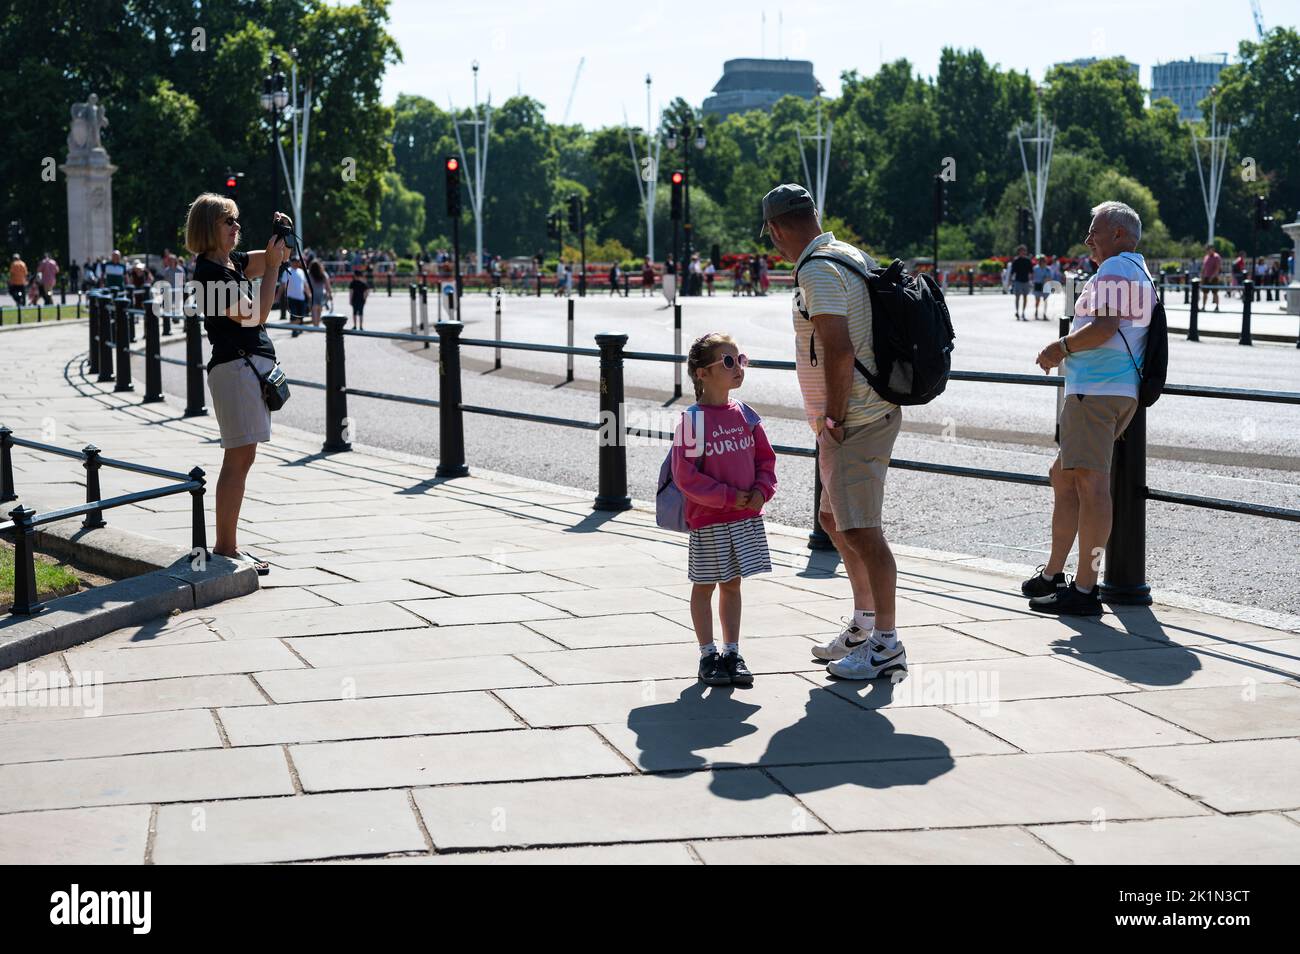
[(227, 336)]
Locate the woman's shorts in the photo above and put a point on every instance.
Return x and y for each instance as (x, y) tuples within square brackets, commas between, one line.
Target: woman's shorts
[(237, 401)]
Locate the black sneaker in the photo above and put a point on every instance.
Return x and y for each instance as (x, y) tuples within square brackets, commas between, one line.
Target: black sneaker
[(1068, 601), (736, 668), (1037, 586), (713, 671)]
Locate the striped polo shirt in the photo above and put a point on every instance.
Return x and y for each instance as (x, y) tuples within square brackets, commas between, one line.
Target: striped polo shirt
[(831, 289)]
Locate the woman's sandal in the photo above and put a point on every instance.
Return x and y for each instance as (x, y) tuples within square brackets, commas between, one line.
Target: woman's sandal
[(261, 566)]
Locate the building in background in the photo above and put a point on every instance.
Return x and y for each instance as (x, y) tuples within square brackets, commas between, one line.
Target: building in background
[(1187, 82), (757, 84), (1089, 60)]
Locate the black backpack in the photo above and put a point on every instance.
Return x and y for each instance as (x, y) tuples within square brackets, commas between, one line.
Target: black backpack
[(1155, 360), (911, 332)]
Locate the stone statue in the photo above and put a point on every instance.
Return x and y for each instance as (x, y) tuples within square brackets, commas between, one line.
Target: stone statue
[(88, 119)]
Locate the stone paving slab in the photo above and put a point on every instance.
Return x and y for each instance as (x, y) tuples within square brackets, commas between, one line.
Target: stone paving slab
[(660, 853), (636, 663), (1205, 840), (1075, 724), (396, 679), (142, 779), (262, 830), (414, 645), (115, 835), (123, 698), (1230, 713), (626, 808), (321, 621), (1229, 776), (89, 738), (200, 659), (632, 629), (973, 846)]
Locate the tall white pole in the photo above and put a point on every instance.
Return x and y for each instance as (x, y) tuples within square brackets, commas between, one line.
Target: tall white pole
[(821, 159), (476, 174), (646, 171), (294, 176), (1218, 143), (1037, 188)]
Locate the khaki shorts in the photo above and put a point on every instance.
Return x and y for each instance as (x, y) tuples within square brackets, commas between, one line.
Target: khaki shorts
[(1090, 426), (853, 472)]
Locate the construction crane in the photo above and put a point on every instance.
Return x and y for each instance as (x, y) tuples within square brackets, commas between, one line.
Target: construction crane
[(572, 92), (1258, 14)]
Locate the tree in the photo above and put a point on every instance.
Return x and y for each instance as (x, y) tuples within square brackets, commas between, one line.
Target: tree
[(401, 217)]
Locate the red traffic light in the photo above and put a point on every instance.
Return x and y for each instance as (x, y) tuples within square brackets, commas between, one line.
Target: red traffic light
[(230, 182), (677, 178), (453, 165)]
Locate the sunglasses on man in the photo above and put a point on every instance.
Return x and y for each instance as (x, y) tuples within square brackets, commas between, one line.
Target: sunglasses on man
[(730, 361)]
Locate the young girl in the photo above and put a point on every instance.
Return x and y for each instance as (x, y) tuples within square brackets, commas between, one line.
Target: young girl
[(726, 470)]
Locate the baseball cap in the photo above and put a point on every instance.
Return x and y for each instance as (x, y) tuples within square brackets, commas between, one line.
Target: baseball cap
[(786, 197)]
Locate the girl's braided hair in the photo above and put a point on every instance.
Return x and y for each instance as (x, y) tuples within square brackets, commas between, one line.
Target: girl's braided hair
[(703, 353)]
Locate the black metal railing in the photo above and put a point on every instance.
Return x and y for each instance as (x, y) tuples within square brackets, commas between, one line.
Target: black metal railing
[(1125, 564), (24, 521)]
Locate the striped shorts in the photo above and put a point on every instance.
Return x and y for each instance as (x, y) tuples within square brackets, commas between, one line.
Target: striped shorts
[(724, 551)]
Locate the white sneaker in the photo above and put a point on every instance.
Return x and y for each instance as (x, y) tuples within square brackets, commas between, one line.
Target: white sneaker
[(843, 644), (872, 660)]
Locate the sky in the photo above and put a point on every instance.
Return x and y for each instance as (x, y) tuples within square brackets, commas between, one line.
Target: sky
[(535, 47)]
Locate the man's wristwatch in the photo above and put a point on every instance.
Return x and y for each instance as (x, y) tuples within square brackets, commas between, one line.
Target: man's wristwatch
[(1064, 346)]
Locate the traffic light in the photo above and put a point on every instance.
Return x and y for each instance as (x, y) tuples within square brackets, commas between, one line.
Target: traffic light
[(575, 213), (1022, 226), (679, 183), (1262, 219), (230, 186), (940, 200), (452, 165)]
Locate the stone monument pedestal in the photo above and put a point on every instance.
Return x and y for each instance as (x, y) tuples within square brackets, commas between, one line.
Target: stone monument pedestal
[(89, 175), (1292, 231)]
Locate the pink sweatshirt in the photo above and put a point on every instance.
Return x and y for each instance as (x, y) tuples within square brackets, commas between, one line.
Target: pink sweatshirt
[(734, 460)]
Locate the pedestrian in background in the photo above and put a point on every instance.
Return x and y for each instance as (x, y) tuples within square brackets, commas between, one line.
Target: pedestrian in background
[(18, 280)]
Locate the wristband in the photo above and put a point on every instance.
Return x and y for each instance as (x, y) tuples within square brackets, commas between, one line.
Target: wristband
[(1064, 346)]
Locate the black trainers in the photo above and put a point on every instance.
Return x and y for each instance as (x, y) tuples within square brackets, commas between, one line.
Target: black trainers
[(1068, 601), (1037, 586), (736, 668), (713, 671)]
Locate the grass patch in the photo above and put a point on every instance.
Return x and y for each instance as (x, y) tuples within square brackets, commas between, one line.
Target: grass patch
[(48, 313), (52, 577)]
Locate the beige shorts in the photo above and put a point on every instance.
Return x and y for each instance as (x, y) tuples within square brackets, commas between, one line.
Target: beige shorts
[(1090, 426), (853, 472), (237, 401)]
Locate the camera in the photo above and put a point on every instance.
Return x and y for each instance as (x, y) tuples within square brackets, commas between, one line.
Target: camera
[(284, 230)]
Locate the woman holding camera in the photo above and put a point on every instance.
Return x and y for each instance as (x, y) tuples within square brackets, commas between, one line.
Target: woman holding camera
[(241, 348)]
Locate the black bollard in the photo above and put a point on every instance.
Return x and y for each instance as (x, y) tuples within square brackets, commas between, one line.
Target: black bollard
[(122, 339), (497, 360), (198, 526), (677, 349), (1125, 577), (414, 293), (451, 419), (1247, 296), (105, 338), (194, 406), (390, 284), (970, 287), (424, 311), (1187, 283), (612, 480), (819, 539), (25, 603), (92, 323), (568, 375), (6, 465), (94, 518), (1192, 333), (336, 397), (152, 354)]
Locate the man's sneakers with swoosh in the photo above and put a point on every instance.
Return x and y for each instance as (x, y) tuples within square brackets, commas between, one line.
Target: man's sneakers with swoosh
[(871, 660), (852, 636)]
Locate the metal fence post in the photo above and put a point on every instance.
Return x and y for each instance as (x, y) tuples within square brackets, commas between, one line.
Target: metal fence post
[(152, 354), (1126, 550), (819, 539), (92, 323), (1187, 284), (677, 349), (198, 525), (1192, 333), (336, 397), (95, 518), (568, 376), (612, 480), (194, 406), (424, 312), (6, 465), (122, 340), (414, 293), (25, 603), (1247, 296), (539, 283), (390, 284), (451, 419), (970, 281), (497, 363), (105, 339)]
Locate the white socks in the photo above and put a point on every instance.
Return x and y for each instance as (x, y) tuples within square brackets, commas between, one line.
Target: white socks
[(707, 648), (864, 619), (730, 648), (886, 638)]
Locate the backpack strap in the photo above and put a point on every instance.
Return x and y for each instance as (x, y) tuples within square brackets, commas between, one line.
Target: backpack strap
[(812, 344), (1137, 367), (752, 420)]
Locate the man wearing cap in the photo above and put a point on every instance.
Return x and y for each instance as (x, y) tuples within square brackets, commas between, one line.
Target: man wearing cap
[(855, 427)]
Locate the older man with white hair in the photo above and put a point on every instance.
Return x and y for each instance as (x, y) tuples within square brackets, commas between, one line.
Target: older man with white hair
[(1102, 357)]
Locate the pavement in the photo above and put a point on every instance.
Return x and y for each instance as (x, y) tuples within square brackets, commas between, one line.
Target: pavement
[(485, 670)]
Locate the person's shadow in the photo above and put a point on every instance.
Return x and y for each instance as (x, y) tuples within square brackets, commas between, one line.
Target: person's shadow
[(839, 741)]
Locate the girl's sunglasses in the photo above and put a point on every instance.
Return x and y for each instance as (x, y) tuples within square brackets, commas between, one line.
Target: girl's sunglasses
[(232, 221), (729, 362)]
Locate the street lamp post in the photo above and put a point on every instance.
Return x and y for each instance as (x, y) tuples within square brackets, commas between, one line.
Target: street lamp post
[(274, 99), (685, 135)]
